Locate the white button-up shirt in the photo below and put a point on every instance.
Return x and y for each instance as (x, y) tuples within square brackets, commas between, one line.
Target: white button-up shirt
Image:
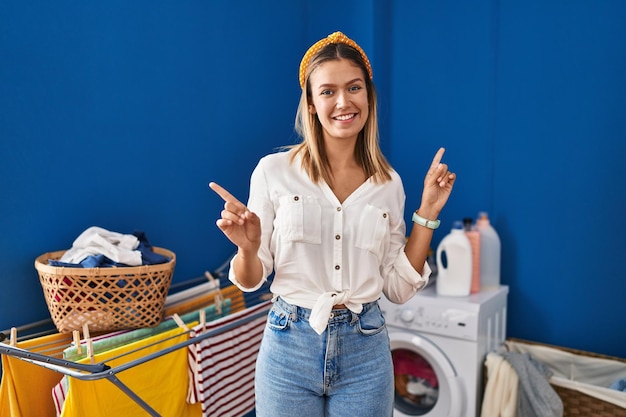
[(324, 252)]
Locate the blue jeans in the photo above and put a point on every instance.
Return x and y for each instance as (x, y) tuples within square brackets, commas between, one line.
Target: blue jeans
[(345, 372)]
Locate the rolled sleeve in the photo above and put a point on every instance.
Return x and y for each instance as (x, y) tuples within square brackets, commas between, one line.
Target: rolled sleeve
[(403, 282), (233, 278)]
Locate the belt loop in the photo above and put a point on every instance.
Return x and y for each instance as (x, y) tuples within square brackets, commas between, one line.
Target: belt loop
[(355, 318)]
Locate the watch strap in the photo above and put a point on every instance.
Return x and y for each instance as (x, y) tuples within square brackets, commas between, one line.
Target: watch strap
[(431, 224)]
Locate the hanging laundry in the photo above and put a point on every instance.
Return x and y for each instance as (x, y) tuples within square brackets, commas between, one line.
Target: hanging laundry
[(108, 341), (200, 299), (24, 386), (159, 382), (223, 366), (59, 392)]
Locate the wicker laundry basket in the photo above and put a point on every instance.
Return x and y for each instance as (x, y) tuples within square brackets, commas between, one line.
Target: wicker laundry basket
[(576, 403), (105, 298)]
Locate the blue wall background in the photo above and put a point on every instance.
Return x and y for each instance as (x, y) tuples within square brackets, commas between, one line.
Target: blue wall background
[(117, 114)]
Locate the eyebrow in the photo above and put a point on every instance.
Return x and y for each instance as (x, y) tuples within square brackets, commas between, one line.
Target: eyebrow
[(326, 85)]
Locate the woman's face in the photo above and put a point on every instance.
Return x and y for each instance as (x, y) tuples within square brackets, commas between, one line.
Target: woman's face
[(339, 98)]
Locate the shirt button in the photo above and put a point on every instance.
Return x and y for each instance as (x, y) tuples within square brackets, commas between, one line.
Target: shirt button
[(384, 215), (337, 237), (338, 208), (337, 267), (296, 198)]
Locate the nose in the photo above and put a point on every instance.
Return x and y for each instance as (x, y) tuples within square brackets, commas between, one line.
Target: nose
[(342, 100)]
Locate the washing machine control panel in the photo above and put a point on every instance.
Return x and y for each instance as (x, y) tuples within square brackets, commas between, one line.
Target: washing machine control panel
[(451, 322)]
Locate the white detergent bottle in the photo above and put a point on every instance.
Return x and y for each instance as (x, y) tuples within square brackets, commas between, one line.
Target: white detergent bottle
[(454, 272), (489, 253)]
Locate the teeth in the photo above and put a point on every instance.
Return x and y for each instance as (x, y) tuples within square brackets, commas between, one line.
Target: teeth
[(345, 117)]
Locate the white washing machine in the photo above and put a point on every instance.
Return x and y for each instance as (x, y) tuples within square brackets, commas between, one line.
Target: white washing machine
[(439, 345)]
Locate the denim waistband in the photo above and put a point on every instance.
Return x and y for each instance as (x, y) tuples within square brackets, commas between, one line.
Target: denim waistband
[(336, 315)]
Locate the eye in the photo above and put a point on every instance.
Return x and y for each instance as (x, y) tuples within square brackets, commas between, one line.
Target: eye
[(355, 88), (326, 92)]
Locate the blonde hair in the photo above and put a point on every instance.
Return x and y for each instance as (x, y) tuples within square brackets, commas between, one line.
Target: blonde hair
[(311, 150)]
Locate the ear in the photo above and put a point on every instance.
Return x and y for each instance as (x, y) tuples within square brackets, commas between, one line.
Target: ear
[(312, 109)]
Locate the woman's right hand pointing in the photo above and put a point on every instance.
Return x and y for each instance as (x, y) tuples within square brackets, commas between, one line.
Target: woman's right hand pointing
[(239, 224)]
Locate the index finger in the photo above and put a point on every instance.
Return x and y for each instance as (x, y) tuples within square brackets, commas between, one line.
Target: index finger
[(221, 191), (437, 158)]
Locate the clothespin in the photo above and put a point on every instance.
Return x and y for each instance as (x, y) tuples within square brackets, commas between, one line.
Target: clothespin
[(76, 336), (219, 299), (218, 303), (13, 336), (88, 342), (180, 322), (203, 318), (209, 276)]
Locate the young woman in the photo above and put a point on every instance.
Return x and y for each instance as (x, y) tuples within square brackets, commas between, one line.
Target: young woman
[(326, 217)]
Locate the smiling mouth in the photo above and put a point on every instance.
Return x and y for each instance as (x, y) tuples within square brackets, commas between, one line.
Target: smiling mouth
[(345, 117)]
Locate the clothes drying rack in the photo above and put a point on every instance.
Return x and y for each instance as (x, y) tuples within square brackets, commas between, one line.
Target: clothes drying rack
[(100, 371)]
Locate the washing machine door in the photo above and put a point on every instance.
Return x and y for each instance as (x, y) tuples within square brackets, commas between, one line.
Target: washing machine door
[(426, 383)]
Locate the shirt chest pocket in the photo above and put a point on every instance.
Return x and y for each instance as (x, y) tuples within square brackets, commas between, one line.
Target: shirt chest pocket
[(373, 230), (299, 219)]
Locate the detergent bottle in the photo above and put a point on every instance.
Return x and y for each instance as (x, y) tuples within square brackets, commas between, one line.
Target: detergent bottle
[(489, 253), (454, 263)]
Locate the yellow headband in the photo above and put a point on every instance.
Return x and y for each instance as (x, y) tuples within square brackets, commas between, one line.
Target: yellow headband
[(336, 37)]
